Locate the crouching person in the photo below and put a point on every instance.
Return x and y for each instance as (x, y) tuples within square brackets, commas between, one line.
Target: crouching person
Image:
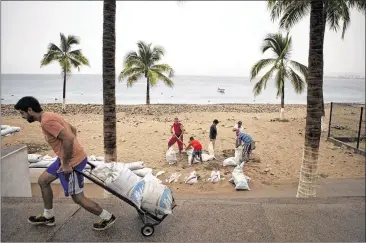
[(244, 140), (197, 149)]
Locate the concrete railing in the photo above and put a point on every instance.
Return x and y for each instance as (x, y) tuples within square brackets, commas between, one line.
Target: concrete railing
[(15, 180)]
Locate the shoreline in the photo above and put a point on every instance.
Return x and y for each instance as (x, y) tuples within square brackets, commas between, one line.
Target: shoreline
[(160, 109)]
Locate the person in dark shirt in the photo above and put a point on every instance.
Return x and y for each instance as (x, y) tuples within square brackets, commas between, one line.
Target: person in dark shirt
[(213, 132)]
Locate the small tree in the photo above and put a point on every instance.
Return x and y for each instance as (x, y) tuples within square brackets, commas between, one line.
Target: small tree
[(144, 64), (66, 57), (281, 47)]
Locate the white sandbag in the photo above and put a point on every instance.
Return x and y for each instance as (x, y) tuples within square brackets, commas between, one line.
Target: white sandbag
[(211, 150), (8, 130), (191, 178), (189, 151), (215, 176), (171, 156), (142, 172), (34, 158), (109, 171), (207, 157), (159, 173), (49, 158), (135, 165), (174, 177), (156, 198), (41, 164), (229, 162), (238, 154), (239, 178), (95, 158), (128, 185)]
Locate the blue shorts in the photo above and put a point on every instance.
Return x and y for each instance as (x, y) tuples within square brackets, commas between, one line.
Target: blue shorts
[(197, 152), (73, 183)]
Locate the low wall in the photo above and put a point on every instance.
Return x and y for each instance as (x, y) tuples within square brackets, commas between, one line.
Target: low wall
[(15, 180), (339, 143)]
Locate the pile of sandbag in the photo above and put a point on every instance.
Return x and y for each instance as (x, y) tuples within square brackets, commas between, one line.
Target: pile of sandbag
[(145, 192), (7, 130)]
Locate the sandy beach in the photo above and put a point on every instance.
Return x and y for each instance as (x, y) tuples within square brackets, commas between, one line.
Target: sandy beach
[(144, 137)]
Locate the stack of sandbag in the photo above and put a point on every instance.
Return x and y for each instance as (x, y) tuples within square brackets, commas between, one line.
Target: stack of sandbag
[(39, 161), (7, 130), (146, 193), (239, 179), (234, 161)]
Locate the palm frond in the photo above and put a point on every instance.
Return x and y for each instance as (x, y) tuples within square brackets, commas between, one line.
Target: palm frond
[(152, 77), (75, 63), (163, 68), (263, 82), (293, 12), (167, 81), (127, 72), (259, 66), (133, 79), (78, 55), (297, 81), (50, 57), (280, 80), (300, 68), (63, 43), (73, 40)]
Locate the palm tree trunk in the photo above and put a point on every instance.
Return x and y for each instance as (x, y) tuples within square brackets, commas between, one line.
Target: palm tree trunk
[(109, 80), (64, 93), (309, 165), (282, 112), (323, 125), (148, 91)]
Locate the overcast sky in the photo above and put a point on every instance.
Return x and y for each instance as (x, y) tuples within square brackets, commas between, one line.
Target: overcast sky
[(200, 38)]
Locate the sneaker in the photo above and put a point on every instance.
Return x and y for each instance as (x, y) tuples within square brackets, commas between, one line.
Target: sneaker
[(41, 220), (104, 224)]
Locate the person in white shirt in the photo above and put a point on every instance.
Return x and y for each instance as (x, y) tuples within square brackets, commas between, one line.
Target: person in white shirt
[(239, 127)]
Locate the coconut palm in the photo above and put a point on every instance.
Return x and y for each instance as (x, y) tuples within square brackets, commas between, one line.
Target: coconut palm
[(290, 12), (143, 63), (66, 57), (109, 80), (306, 187), (281, 66)]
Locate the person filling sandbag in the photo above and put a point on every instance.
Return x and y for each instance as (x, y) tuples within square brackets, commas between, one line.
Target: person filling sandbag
[(197, 149), (244, 140), (177, 131)]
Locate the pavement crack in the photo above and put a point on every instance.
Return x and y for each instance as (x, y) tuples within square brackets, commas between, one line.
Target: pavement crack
[(59, 228)]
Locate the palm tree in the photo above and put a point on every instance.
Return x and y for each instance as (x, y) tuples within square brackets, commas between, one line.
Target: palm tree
[(109, 80), (144, 64), (290, 12), (66, 57), (281, 47), (309, 165)]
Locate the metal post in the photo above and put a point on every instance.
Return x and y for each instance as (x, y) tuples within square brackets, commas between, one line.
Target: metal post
[(330, 118), (359, 129)]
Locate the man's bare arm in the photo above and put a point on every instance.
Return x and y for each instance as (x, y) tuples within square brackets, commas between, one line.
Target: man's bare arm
[(67, 138)]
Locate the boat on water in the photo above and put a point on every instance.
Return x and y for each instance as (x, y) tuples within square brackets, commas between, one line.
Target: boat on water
[(220, 90)]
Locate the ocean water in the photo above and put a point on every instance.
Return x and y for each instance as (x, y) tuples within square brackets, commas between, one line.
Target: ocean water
[(87, 89)]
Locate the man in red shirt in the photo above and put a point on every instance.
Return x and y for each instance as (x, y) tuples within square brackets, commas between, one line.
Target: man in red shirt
[(197, 148), (177, 131)]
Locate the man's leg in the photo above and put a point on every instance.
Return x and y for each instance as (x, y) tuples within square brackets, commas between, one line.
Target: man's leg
[(44, 181), (180, 143), (172, 141), (89, 205), (73, 184), (200, 155)]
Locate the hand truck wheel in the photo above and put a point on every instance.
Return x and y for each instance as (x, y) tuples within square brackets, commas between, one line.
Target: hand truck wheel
[(147, 230)]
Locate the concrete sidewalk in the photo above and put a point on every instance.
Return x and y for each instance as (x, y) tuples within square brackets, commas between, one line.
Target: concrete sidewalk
[(332, 216)]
